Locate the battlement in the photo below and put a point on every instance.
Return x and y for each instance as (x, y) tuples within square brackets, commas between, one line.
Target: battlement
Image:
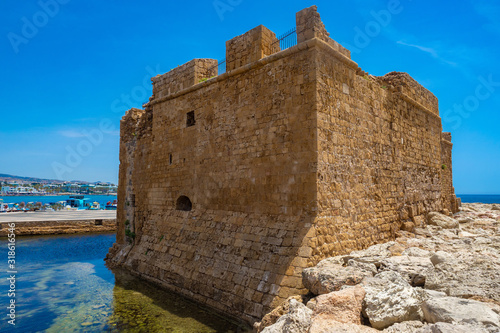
[(446, 136), (407, 86), (184, 76), (309, 26), (253, 45)]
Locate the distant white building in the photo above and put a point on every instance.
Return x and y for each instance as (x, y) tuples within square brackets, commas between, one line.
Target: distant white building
[(21, 190), (7, 189)]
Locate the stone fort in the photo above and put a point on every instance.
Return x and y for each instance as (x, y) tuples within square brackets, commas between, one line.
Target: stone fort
[(230, 185)]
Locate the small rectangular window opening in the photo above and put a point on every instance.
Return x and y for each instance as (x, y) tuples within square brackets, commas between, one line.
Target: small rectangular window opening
[(190, 121), (170, 158)]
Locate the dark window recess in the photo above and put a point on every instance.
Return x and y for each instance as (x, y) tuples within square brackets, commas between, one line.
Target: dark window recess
[(133, 200), (170, 158), (190, 121), (183, 203)]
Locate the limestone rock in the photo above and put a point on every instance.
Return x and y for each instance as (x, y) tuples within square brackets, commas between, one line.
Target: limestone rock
[(363, 266), (276, 313), (390, 299), (417, 252), (459, 310), (465, 274), (454, 328), (342, 306), (325, 325), (411, 326), (419, 327), (441, 257), (297, 320), (442, 221), (462, 220), (375, 251), (412, 268), (462, 262), (329, 276)]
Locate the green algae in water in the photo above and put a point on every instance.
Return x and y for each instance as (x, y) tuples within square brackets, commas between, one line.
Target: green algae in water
[(142, 307)]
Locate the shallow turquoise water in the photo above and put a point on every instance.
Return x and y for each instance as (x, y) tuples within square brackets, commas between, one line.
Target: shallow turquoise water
[(62, 285)]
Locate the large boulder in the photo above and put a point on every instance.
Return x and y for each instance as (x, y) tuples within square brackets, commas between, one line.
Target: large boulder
[(343, 306), (276, 313), (391, 299), (454, 328), (412, 268), (466, 273), (443, 221), (297, 320), (459, 310), (325, 325), (406, 327), (329, 275)]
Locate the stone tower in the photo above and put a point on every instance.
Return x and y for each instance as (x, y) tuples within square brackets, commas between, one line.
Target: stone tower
[(231, 184)]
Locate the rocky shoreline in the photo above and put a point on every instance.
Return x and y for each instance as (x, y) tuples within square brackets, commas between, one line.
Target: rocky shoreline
[(442, 277)]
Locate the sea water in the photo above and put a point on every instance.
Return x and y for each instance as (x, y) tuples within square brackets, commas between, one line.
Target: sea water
[(62, 285), (482, 198), (101, 199)]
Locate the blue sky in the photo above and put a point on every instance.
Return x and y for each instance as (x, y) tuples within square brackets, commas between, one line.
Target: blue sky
[(71, 68)]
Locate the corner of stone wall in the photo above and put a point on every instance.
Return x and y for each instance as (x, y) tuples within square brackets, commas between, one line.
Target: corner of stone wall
[(184, 76), (450, 201), (130, 127), (309, 26), (253, 45)]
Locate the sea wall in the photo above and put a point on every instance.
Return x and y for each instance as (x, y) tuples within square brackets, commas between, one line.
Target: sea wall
[(59, 227)]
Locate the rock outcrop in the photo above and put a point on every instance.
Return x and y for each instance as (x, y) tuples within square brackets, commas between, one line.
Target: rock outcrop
[(444, 277)]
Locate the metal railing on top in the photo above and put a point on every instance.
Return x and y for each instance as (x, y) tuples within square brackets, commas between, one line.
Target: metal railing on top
[(221, 66), (286, 40)]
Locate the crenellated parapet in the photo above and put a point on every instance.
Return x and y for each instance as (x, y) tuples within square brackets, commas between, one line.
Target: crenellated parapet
[(411, 90), (309, 26), (184, 76), (253, 45)]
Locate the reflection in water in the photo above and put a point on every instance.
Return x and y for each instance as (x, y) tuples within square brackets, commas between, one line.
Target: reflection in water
[(63, 286)]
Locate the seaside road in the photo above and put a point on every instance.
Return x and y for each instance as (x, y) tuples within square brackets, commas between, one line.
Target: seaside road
[(65, 215)]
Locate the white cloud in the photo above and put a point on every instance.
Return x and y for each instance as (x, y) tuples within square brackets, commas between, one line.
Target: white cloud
[(431, 51)]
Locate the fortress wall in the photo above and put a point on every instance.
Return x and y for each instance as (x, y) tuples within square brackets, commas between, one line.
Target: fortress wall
[(248, 166), (379, 158)]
